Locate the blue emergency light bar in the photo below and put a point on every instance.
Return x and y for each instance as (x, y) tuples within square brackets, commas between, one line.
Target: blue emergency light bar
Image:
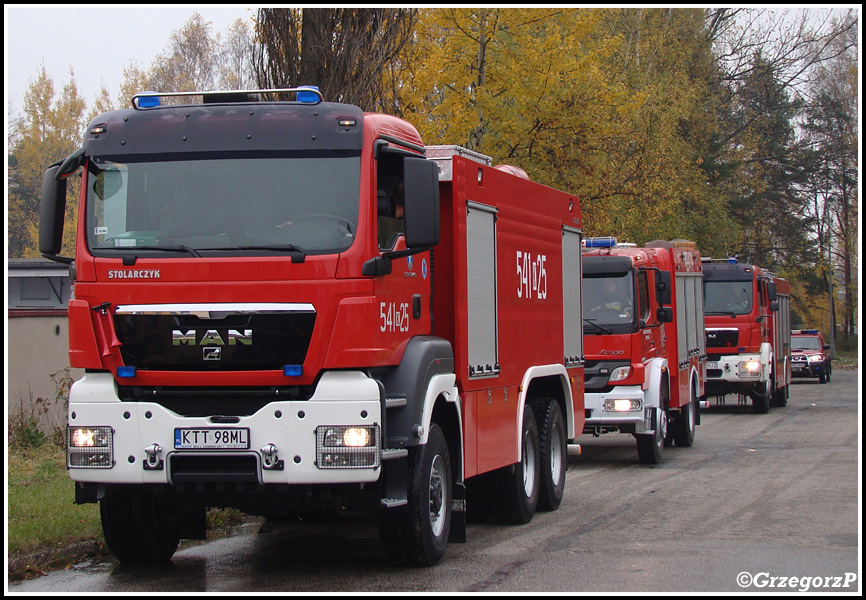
[(308, 97), (810, 331), (600, 242), (148, 101)]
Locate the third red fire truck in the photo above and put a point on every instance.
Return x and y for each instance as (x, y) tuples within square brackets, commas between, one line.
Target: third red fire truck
[(748, 329), (643, 321)]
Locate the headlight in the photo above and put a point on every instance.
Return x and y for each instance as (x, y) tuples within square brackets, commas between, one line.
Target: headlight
[(89, 447), (620, 373), (347, 447), (816, 358), (621, 404)]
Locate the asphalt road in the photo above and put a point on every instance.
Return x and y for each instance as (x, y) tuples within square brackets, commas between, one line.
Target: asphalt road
[(760, 504)]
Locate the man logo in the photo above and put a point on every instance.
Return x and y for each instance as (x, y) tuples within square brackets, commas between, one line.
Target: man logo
[(211, 353), (211, 337)]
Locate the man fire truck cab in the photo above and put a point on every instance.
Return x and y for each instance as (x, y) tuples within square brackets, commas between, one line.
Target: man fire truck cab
[(644, 342), (810, 356), (250, 340), (748, 329)]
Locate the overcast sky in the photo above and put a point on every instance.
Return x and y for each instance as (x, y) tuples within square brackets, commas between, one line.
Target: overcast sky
[(96, 41)]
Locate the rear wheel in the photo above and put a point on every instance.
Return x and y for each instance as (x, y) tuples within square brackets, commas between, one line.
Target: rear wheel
[(554, 456), (138, 529), (649, 446), (517, 485), (684, 426), (781, 396), (761, 399)]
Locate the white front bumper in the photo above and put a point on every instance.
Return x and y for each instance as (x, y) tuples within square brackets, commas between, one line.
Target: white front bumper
[(733, 371), (341, 398), (599, 416)]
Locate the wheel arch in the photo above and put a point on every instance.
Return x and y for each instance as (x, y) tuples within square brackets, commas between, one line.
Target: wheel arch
[(546, 382), (658, 376)]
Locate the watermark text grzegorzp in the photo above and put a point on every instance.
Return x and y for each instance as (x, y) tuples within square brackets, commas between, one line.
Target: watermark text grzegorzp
[(764, 580)]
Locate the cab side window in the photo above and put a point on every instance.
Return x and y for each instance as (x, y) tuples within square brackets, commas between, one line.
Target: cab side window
[(389, 200), (643, 307)]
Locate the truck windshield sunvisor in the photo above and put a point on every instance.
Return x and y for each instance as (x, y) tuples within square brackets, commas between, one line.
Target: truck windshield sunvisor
[(258, 204)]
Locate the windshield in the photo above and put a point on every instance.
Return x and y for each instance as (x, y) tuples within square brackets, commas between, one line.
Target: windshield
[(608, 301), (217, 205), (727, 297), (805, 343)]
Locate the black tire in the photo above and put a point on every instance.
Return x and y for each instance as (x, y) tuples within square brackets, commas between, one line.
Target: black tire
[(684, 425), (417, 533), (781, 396), (761, 399), (137, 528), (649, 446), (553, 449), (822, 377), (517, 486)]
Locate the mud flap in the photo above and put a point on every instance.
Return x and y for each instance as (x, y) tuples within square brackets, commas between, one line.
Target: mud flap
[(457, 533), (194, 525), (395, 483)]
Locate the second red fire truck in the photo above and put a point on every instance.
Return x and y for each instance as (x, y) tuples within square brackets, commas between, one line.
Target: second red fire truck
[(284, 306), (643, 322)]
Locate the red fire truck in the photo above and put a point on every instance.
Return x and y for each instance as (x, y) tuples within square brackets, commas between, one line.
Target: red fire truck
[(644, 344), (748, 329), (293, 305)]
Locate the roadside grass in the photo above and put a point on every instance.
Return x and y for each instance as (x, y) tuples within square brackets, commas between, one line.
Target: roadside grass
[(41, 513), (846, 359), (45, 529)]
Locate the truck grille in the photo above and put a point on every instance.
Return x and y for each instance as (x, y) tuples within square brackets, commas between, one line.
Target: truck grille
[(197, 468), (722, 338), (190, 340)]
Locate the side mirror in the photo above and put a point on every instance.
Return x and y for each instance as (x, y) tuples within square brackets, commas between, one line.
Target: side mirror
[(665, 314), (52, 209), (421, 202), (771, 292), (774, 306), (663, 287)]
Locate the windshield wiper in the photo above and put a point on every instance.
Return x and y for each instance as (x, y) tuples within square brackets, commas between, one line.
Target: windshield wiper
[(180, 248), (299, 253), (600, 327)]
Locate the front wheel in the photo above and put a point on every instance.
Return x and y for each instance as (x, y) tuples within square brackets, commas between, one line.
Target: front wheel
[(417, 533), (137, 528)]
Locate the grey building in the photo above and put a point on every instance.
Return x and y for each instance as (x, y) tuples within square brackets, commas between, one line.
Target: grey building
[(37, 338)]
